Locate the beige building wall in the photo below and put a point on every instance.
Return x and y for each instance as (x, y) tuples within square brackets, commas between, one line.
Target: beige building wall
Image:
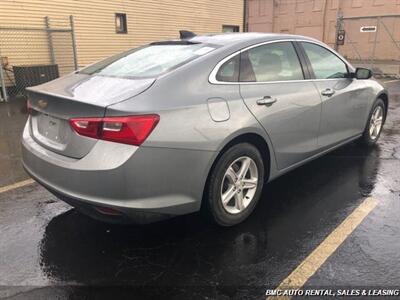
[(96, 37), (317, 18)]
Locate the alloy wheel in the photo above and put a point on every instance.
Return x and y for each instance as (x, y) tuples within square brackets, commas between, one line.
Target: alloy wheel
[(239, 185), (376, 122)]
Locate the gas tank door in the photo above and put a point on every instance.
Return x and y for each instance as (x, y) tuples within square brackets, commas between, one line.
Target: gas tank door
[(218, 109)]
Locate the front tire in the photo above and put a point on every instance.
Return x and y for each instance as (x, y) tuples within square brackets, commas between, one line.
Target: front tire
[(375, 123), (235, 185)]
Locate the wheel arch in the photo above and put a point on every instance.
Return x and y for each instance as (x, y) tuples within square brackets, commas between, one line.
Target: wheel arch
[(253, 138), (256, 140), (385, 98)]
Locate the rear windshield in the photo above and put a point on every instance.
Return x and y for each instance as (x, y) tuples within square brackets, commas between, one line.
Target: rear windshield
[(149, 61)]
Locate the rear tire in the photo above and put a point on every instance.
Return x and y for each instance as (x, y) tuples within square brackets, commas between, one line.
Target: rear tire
[(375, 122), (235, 185)]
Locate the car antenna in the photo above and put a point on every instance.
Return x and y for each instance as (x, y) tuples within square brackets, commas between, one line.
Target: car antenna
[(185, 34)]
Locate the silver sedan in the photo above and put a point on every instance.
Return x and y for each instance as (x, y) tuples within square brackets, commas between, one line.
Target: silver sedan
[(195, 124)]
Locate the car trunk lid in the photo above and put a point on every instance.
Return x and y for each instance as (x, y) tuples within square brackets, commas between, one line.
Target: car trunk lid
[(74, 96)]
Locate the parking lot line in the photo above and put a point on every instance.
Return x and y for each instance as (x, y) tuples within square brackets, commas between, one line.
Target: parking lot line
[(313, 262), (392, 81), (16, 185)]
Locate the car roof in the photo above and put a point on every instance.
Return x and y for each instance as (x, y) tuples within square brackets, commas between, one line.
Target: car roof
[(228, 39)]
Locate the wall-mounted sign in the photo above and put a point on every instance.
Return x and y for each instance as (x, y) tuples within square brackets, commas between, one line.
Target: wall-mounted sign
[(368, 29), (340, 37)]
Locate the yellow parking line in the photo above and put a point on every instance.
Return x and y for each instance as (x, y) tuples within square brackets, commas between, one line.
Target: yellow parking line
[(391, 81), (16, 185), (313, 262)]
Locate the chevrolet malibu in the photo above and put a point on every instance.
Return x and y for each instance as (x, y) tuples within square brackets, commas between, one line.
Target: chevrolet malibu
[(201, 123)]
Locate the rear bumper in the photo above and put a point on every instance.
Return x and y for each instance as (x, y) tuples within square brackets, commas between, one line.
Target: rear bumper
[(145, 184)]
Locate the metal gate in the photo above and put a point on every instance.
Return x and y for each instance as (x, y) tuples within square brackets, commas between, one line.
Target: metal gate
[(372, 42), (33, 55)]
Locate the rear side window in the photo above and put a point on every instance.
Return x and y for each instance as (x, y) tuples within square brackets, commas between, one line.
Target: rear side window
[(149, 61), (229, 71), (270, 62), (325, 64)]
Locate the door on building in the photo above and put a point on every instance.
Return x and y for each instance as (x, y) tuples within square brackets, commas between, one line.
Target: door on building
[(344, 105), (273, 86)]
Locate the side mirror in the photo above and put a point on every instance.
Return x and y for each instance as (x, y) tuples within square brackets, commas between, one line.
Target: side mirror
[(362, 73)]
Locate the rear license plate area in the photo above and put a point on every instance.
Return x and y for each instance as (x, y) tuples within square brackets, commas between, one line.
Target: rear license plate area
[(51, 128)]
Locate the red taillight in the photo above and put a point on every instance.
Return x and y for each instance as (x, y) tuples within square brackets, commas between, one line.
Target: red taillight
[(132, 130), (129, 130), (88, 127)]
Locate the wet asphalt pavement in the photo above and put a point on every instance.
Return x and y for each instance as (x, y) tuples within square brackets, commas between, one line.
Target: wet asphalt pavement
[(48, 250)]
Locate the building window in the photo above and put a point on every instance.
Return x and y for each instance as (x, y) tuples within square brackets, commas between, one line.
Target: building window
[(120, 23), (230, 28)]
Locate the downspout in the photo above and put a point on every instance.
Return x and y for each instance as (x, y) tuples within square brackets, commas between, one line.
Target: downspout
[(275, 4), (244, 16), (339, 16), (324, 20)]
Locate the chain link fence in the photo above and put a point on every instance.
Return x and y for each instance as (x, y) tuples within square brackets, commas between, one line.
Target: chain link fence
[(371, 42), (33, 55)]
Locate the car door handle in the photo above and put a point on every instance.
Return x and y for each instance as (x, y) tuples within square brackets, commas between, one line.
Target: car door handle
[(267, 101), (328, 92)]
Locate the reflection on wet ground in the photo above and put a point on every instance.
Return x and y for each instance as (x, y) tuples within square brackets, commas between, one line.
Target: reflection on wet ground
[(48, 245)]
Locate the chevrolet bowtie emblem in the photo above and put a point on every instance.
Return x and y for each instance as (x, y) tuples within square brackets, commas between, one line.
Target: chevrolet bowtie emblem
[(42, 103)]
